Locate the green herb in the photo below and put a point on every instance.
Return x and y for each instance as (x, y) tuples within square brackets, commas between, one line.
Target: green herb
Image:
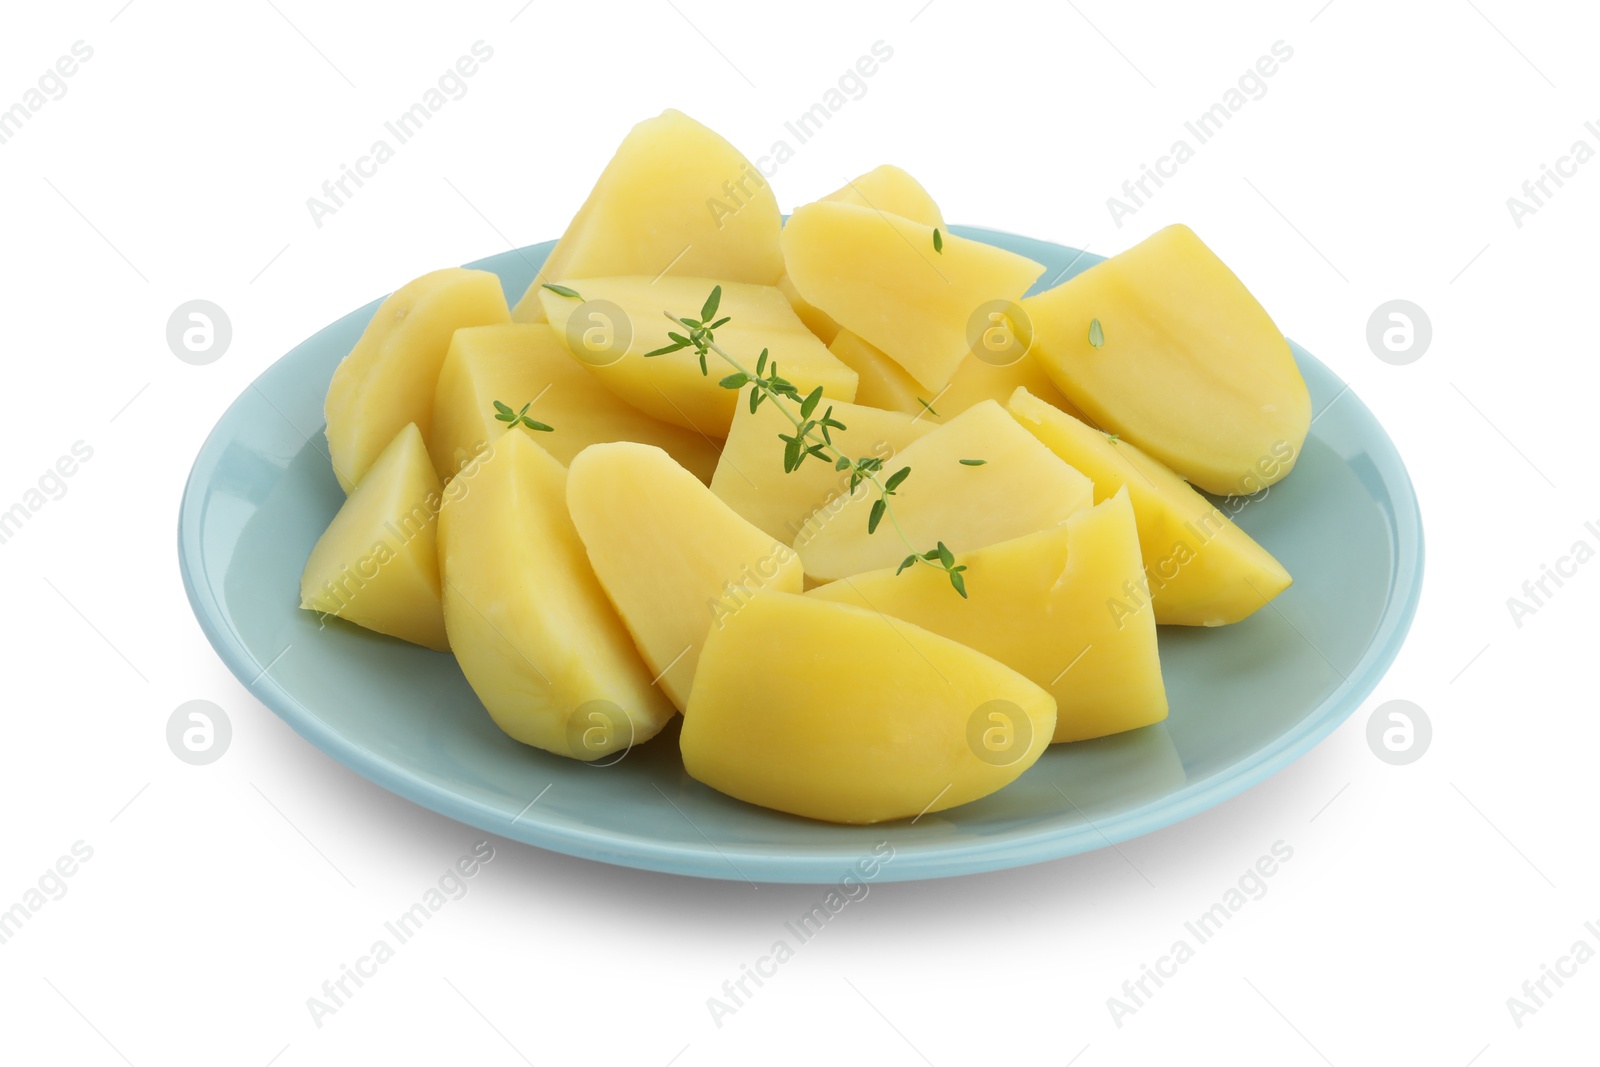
[(1097, 335), (938, 241), (929, 406), (813, 434), (1113, 437), (562, 290), (973, 462), (511, 418)]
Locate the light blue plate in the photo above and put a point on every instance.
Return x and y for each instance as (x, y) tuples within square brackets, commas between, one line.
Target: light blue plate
[(1246, 699)]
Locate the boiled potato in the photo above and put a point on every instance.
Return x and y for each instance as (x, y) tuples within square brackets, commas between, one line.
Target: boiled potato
[(1061, 606), (1019, 488), (676, 198), (1189, 367), (675, 560), (880, 277), (519, 363), (672, 387), (882, 383), (889, 189), (1201, 568), (535, 635), (377, 564), (837, 712), (886, 188), (388, 378), (751, 479)]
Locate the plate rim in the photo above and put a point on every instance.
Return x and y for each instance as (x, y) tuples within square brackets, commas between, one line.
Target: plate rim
[(823, 866)]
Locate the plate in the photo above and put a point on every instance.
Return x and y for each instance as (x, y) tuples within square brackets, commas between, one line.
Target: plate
[(1246, 699)]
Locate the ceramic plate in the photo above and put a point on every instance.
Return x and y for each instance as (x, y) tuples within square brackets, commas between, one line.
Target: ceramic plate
[(1246, 699)]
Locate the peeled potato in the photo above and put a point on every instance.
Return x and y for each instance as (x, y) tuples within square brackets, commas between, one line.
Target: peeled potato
[(675, 199), (1189, 366), (837, 712), (675, 560), (526, 363), (535, 635), (377, 565), (388, 378), (879, 276), (1020, 487), (1055, 606), (1202, 570)]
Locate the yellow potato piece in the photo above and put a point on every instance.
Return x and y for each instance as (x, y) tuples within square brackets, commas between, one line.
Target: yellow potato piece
[(816, 321), (1057, 606), (534, 633), (837, 712), (879, 276), (889, 189), (675, 198), (674, 559), (886, 188), (750, 477), (1021, 487), (520, 363), (1201, 568), (1191, 368), (377, 564), (618, 320), (388, 378), (883, 384)]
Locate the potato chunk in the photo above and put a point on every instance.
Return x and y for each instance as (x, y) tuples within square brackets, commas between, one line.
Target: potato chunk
[(377, 564), (1201, 568), (751, 479), (676, 198), (837, 712), (1063, 607), (675, 560), (1019, 488), (534, 633), (519, 363), (880, 277), (617, 320), (1189, 366), (388, 378)]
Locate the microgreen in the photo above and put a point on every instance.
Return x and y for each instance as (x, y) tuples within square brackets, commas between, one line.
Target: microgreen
[(1097, 333), (503, 413), (813, 433), (973, 462), (562, 290), (938, 241)]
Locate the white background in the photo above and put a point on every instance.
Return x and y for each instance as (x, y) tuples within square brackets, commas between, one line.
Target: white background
[(219, 898)]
